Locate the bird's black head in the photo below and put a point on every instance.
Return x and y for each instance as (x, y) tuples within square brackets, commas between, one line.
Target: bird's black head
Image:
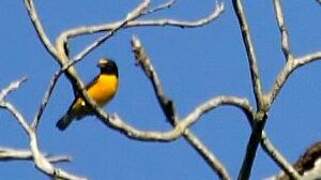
[(107, 66)]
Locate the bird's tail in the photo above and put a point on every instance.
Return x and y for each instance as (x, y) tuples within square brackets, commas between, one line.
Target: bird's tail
[(65, 121)]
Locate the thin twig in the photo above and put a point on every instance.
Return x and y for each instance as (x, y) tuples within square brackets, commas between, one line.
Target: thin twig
[(287, 70), (45, 99), (11, 87), (17, 115), (39, 28), (49, 92), (10, 154), (280, 160), (136, 13), (168, 108), (160, 7), (306, 59), (130, 22), (283, 30)]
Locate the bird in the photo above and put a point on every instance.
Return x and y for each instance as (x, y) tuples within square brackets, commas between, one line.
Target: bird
[(101, 89)]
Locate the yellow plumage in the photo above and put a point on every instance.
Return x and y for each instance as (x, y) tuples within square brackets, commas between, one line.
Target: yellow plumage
[(102, 89)]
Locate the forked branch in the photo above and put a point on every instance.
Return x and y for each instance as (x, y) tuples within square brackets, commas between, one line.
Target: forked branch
[(42, 162), (168, 108)]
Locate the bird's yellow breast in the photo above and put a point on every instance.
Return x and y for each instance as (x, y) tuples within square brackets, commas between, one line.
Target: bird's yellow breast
[(103, 89)]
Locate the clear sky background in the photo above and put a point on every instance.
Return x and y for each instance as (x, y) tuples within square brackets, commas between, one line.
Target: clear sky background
[(194, 65)]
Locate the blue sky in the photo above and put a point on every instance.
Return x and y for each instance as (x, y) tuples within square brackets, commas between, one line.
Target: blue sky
[(194, 65)]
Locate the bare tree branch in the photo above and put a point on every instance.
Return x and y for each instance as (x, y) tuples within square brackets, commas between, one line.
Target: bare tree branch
[(11, 87), (309, 58), (307, 165), (218, 10), (250, 51), (102, 39), (7, 154), (10, 154), (206, 154), (180, 126), (129, 21), (287, 70), (16, 114), (252, 145), (72, 33), (168, 108), (71, 73), (283, 30), (136, 13), (143, 60), (45, 99), (280, 160), (291, 65), (260, 117), (39, 28), (114, 121), (280, 81), (41, 162)]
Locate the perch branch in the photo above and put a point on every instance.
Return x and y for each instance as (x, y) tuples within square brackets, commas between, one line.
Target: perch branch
[(131, 16), (114, 121), (117, 123)]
